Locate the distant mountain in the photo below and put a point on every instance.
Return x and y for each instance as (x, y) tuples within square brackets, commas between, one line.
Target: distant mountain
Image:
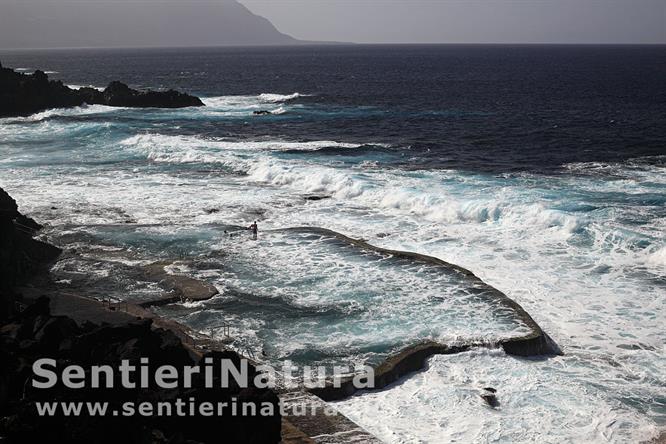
[(133, 23)]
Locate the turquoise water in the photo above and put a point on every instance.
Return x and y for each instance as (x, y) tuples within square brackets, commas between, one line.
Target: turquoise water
[(568, 222), (298, 295), (314, 300)]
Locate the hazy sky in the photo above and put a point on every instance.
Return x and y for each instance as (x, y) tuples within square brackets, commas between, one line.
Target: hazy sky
[(128, 23), (469, 21), (132, 23)]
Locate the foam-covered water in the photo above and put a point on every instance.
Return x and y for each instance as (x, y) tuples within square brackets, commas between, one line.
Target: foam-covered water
[(321, 301), (539, 401), (550, 188)]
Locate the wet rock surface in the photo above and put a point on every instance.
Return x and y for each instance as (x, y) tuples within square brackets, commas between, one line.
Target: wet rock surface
[(489, 395)]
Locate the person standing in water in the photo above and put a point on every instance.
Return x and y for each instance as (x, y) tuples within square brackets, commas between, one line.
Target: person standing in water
[(254, 228)]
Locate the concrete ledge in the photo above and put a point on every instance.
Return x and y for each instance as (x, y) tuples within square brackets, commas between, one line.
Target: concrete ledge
[(414, 357), (320, 427), (409, 360)]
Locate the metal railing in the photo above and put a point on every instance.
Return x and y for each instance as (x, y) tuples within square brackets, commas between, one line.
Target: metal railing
[(226, 330), (24, 228)]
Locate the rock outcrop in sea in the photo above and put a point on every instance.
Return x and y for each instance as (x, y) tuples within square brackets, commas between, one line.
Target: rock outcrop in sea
[(25, 94)]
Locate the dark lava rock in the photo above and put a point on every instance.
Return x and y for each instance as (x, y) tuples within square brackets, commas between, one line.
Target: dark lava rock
[(538, 344), (21, 256), (490, 399), (314, 198), (119, 94), (489, 395), (27, 223), (60, 338), (31, 333), (24, 94)]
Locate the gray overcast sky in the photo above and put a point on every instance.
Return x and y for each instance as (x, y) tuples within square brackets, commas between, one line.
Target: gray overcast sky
[(468, 21)]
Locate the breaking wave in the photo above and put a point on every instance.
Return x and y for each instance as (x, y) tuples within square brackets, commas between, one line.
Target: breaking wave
[(276, 98), (188, 149)]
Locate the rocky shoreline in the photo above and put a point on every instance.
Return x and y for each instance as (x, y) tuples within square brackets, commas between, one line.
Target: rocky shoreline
[(26, 94), (30, 331), (127, 331), (21, 256)]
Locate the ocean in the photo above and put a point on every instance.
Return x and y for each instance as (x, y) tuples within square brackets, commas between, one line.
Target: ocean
[(541, 169)]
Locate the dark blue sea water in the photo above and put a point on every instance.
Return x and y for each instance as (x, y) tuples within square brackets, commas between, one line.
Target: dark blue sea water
[(491, 108), (540, 169)]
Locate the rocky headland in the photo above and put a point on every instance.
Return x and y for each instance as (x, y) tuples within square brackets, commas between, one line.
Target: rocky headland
[(25, 94)]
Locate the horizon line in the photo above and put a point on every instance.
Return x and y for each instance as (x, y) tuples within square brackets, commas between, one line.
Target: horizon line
[(332, 44)]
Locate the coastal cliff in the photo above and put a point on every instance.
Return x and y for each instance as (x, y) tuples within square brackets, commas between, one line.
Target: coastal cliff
[(20, 255), (25, 94)]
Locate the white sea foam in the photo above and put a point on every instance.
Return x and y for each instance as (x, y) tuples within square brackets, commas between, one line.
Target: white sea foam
[(246, 105), (539, 402), (46, 114), (657, 257), (588, 294), (247, 101), (187, 149), (414, 197), (31, 71), (276, 98), (229, 101), (75, 111), (400, 303), (593, 278), (564, 267), (74, 86)]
